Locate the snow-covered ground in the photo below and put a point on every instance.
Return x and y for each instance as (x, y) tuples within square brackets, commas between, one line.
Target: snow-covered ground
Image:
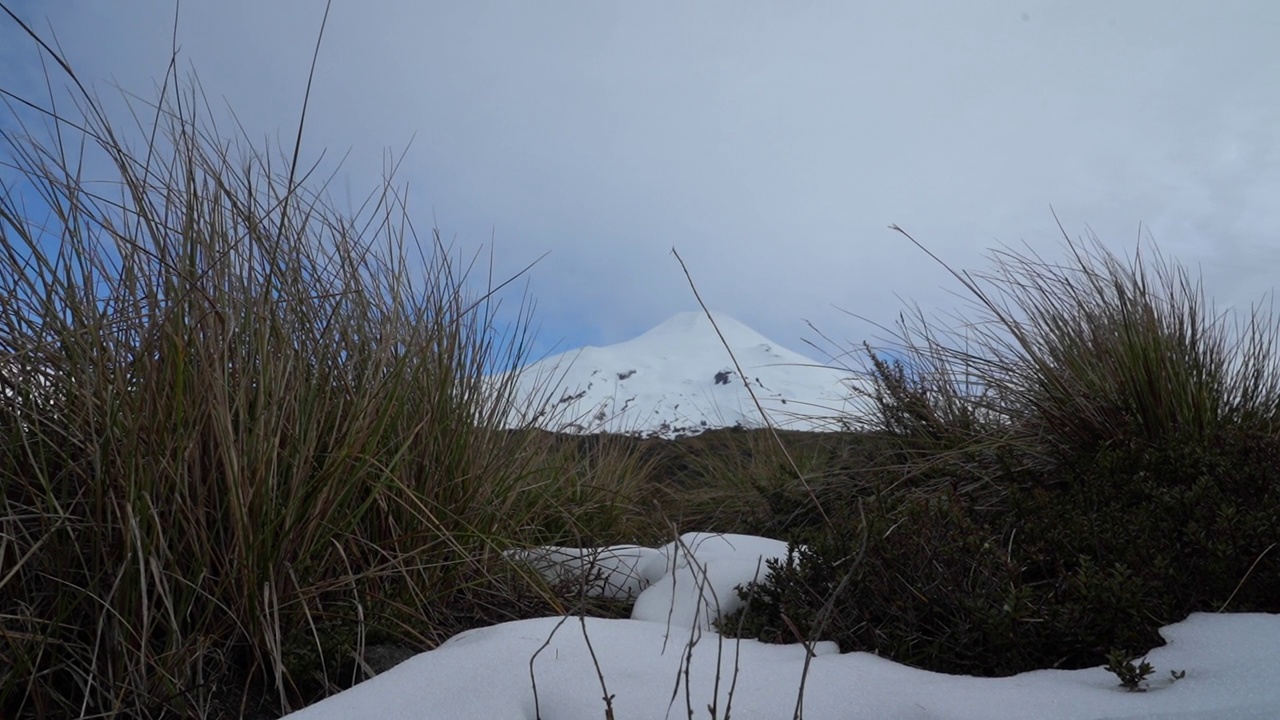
[(678, 379), (666, 662)]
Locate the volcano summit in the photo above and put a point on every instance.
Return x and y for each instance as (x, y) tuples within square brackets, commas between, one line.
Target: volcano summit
[(678, 379)]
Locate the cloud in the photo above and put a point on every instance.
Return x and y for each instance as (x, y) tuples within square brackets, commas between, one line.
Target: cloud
[(771, 144)]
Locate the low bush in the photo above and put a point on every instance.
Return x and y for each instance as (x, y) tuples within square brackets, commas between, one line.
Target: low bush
[(933, 588), (1059, 576)]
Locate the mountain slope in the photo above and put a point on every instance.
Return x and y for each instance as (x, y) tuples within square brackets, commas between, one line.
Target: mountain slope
[(678, 379)]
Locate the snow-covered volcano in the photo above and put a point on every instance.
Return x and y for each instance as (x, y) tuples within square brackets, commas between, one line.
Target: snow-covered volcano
[(678, 379)]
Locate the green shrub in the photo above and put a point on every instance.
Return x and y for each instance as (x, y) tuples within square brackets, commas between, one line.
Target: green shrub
[(932, 588), (1131, 676), (1056, 578), (1140, 537)]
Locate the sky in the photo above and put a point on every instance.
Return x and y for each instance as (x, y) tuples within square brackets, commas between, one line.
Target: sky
[(667, 661), (770, 144)]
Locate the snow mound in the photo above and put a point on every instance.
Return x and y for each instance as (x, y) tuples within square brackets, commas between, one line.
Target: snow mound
[(665, 662)]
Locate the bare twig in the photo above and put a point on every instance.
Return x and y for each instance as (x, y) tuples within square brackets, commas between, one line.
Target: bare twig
[(743, 376)]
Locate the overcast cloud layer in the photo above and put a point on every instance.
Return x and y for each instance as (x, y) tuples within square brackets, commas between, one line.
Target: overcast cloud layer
[(770, 143)]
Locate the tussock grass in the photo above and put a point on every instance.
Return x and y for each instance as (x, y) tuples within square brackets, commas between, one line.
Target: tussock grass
[(741, 481), (243, 435), (1086, 455), (1061, 358)]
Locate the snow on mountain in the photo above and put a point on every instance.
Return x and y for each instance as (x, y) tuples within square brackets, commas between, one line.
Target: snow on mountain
[(678, 379)]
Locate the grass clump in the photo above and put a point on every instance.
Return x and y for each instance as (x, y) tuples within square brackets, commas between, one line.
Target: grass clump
[(243, 436), (1093, 456)]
